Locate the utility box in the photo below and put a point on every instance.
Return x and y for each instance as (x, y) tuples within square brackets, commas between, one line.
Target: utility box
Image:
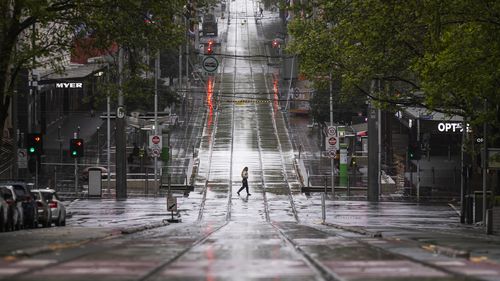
[(478, 204), (496, 220), (95, 182)]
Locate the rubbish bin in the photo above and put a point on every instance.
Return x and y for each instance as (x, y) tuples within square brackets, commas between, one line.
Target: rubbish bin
[(478, 205), (95, 182)]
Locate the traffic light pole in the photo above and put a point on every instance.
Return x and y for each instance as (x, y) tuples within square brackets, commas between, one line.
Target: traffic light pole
[(157, 74), (36, 171), (76, 170), (121, 158), (418, 159)]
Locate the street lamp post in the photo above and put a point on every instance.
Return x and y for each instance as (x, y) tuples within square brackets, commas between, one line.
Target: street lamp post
[(332, 160), (157, 72)]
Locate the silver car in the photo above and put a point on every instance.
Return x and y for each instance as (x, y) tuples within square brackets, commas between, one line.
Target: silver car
[(44, 210), (56, 206), (6, 209), (17, 207)]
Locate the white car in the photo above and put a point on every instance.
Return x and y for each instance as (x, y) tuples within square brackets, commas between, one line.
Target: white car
[(56, 206), (17, 210), (6, 209)]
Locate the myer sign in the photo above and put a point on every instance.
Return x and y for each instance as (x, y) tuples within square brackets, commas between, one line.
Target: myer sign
[(69, 85)]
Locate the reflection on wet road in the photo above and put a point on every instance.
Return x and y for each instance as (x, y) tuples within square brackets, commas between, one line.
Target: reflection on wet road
[(243, 132)]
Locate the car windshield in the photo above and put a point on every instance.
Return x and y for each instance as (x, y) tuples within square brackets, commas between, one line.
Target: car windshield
[(48, 196), (19, 190), (5, 193), (36, 196)]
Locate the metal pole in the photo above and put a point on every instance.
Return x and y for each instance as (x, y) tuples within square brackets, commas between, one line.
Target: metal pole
[(187, 57), (418, 160), (462, 173), (485, 162), (98, 147), (323, 204), (157, 73), (36, 171), (332, 161), (75, 135), (60, 143), (379, 140), (120, 139), (373, 171), (180, 68), (108, 148)]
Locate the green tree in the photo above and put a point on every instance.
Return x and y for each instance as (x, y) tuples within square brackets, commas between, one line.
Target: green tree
[(46, 29), (443, 55)]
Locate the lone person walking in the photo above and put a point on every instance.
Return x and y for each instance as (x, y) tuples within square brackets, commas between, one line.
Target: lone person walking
[(244, 181), (261, 11)]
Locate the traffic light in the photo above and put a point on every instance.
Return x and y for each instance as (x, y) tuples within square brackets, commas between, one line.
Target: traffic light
[(276, 43), (210, 46), (34, 144), (76, 148), (414, 151)]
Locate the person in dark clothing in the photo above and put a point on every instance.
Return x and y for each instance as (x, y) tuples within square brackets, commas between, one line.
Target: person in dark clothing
[(244, 181)]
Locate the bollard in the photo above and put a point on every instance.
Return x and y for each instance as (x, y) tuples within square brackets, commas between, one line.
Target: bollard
[(433, 175), (489, 221), (323, 207), (348, 187)]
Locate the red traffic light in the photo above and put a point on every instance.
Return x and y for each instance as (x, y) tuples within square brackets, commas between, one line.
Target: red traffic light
[(34, 144), (276, 43), (76, 148), (210, 42)]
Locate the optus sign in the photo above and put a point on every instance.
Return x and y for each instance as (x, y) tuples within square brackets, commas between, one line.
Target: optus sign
[(451, 127)]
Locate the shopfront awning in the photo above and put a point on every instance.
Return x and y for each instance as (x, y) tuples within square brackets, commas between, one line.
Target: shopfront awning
[(72, 72), (426, 114)]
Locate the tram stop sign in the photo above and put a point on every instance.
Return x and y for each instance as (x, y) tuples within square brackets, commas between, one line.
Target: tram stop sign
[(210, 64)]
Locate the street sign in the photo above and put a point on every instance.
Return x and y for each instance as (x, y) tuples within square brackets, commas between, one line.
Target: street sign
[(171, 203), (22, 158), (155, 139), (331, 139), (120, 112), (155, 152), (210, 64), (332, 154), (332, 131), (155, 142)]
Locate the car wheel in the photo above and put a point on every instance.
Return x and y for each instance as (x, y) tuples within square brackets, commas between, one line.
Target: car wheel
[(63, 223), (58, 221)]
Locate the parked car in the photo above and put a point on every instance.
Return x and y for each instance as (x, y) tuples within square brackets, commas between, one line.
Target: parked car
[(56, 206), (28, 209), (6, 210), (17, 210), (44, 210)]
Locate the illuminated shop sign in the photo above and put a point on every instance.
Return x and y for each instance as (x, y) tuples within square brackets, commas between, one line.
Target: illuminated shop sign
[(69, 85), (451, 127)]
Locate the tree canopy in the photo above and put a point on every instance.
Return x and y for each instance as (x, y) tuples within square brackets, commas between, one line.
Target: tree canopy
[(46, 30), (443, 55)]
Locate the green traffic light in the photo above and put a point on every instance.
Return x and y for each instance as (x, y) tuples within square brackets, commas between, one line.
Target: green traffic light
[(73, 152), (32, 150)]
